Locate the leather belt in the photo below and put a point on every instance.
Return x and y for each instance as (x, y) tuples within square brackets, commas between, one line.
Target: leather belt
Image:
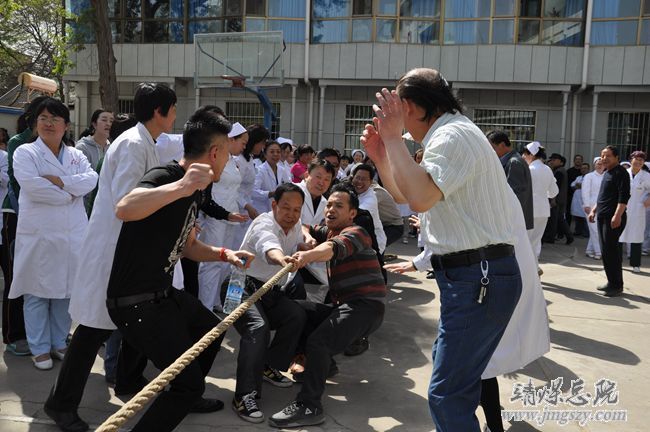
[(471, 256), (119, 302)]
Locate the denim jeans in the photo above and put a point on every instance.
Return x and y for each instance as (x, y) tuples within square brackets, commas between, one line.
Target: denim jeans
[(111, 353), (47, 323), (468, 334)]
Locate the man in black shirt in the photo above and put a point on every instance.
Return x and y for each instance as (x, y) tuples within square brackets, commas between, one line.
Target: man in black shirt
[(158, 229), (610, 215), (557, 224)]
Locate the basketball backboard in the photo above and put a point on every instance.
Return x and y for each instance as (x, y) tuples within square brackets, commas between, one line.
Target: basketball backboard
[(254, 56)]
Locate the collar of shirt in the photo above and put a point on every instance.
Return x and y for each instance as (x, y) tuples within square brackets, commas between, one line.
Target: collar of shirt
[(441, 121), (506, 157), (145, 133)]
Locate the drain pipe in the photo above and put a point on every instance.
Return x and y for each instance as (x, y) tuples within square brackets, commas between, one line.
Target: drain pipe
[(306, 74), (565, 104), (293, 110), (583, 82)]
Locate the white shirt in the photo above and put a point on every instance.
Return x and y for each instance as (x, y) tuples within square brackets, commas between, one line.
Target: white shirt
[(590, 188), (247, 169), (127, 159), (368, 201), (475, 209), (544, 188), (310, 215), (264, 234)]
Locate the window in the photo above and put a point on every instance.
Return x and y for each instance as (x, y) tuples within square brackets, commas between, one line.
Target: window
[(356, 118), (248, 113), (519, 125), (285, 15), (125, 106), (551, 22), (616, 22), (628, 132)]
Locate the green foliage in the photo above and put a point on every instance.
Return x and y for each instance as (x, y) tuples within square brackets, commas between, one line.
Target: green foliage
[(33, 39)]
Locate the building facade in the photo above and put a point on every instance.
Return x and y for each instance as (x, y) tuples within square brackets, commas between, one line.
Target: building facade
[(572, 74)]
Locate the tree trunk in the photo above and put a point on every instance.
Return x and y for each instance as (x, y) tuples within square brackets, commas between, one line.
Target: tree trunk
[(105, 58)]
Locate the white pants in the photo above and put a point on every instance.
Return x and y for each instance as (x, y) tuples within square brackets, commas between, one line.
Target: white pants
[(535, 235), (212, 274), (593, 246)]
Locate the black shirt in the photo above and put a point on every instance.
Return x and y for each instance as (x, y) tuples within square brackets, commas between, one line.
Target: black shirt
[(148, 249), (614, 189)]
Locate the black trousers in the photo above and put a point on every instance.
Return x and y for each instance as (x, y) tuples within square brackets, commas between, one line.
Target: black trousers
[(393, 233), (611, 250), (13, 321), (190, 276), (274, 311), (78, 361), (163, 330), (334, 329), (491, 405), (635, 254)]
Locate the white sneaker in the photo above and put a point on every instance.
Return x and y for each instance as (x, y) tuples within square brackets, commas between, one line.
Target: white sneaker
[(590, 255), (596, 257), (636, 270), (43, 362), (59, 354)]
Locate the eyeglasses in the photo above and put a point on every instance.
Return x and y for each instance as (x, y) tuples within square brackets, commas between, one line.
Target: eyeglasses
[(51, 120)]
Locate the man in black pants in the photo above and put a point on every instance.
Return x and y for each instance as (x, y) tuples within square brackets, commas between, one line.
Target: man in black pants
[(358, 294), (129, 156), (611, 217), (273, 237), (158, 228)]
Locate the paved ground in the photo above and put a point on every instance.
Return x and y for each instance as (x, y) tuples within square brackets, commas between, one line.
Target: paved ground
[(593, 337)]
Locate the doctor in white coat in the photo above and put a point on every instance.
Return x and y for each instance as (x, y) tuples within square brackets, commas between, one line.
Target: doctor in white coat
[(130, 155), (54, 179), (590, 188), (269, 176), (318, 181), (636, 209), (215, 232), (544, 188)]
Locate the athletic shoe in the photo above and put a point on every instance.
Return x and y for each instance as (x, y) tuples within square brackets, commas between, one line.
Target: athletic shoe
[(636, 270), (19, 348), (296, 414), (597, 257), (590, 255), (247, 409), (274, 377)]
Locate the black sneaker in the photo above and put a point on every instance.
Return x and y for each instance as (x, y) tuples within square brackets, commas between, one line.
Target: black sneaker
[(296, 414), (274, 377), (613, 292), (247, 409)]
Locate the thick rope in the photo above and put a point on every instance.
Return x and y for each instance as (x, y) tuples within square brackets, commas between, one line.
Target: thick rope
[(128, 410)]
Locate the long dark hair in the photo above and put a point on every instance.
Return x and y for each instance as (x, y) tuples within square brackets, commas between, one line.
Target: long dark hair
[(256, 134)]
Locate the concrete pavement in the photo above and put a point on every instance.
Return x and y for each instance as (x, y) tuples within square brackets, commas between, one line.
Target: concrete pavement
[(593, 337)]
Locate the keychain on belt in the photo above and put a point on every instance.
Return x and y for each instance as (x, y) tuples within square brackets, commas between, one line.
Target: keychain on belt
[(484, 281)]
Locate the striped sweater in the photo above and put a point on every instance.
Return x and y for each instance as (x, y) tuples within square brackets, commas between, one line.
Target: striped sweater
[(354, 270)]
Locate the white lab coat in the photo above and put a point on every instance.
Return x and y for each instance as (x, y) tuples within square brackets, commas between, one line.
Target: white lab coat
[(127, 159), (312, 218), (220, 233), (247, 169), (368, 201), (639, 189), (4, 180), (265, 182), (576, 201), (526, 337), (51, 222), (590, 189), (544, 188)]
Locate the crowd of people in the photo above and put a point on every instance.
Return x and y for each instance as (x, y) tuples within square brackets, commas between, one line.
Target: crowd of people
[(133, 234)]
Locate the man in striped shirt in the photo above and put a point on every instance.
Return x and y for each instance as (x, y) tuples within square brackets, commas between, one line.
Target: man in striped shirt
[(358, 294)]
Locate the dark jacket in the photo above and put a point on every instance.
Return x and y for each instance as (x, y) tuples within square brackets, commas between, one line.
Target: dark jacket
[(518, 176)]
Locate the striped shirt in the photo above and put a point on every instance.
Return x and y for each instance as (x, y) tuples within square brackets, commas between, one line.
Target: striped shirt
[(354, 270), (475, 210)]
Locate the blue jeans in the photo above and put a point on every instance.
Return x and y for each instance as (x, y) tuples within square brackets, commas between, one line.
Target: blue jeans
[(111, 353), (47, 323), (468, 334)]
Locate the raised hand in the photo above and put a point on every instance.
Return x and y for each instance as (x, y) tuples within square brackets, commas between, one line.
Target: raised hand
[(197, 177), (373, 144), (389, 115)]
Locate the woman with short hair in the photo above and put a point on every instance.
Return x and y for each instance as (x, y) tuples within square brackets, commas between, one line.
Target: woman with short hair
[(53, 179)]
